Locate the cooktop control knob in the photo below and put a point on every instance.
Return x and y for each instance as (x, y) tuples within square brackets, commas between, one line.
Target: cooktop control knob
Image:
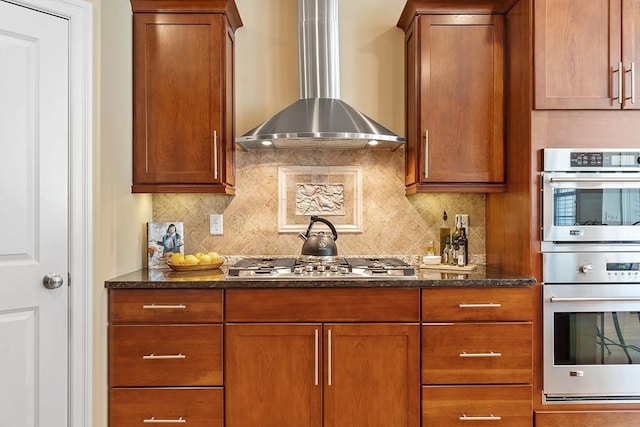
[(321, 268), (586, 268), (309, 268)]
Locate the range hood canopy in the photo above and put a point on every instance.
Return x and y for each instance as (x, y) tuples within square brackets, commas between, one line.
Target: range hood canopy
[(319, 119)]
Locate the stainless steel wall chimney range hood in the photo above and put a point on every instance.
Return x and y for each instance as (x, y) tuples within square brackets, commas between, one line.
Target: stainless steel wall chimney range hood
[(319, 119)]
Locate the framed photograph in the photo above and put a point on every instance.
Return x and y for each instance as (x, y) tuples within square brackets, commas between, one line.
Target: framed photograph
[(331, 192), (163, 240)]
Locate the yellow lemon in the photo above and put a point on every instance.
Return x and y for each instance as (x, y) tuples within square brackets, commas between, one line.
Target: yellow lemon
[(214, 256), (191, 260), (177, 258), (205, 259), (198, 255)]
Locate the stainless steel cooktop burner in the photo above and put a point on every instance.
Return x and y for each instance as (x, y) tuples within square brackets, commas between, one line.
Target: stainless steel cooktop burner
[(340, 269)]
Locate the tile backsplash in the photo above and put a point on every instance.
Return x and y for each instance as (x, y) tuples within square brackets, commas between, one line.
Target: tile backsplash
[(393, 224)]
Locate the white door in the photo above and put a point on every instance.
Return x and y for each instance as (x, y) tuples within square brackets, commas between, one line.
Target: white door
[(34, 217)]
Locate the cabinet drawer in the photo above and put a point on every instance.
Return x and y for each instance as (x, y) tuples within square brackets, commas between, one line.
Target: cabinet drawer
[(170, 355), (320, 305), (464, 353), (165, 306), (474, 406), (481, 304), (141, 407)]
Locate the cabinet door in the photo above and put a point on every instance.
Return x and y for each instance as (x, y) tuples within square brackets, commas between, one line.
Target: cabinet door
[(631, 52), (372, 376), (577, 54), (459, 60), (178, 101), (272, 375)]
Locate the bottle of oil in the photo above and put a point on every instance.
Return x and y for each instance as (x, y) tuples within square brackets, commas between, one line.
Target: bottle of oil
[(445, 233), (464, 248)]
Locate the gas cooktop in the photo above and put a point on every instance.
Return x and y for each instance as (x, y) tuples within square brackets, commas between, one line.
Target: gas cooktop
[(338, 269)]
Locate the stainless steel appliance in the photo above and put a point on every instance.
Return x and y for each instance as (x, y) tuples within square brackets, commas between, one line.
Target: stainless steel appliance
[(591, 195), (338, 269), (591, 275)]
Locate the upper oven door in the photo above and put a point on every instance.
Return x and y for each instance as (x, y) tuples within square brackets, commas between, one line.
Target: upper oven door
[(591, 207)]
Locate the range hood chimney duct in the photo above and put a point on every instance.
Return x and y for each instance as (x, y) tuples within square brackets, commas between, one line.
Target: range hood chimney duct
[(319, 119)]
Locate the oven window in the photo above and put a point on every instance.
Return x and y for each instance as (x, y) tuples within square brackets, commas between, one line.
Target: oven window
[(596, 206), (601, 338)]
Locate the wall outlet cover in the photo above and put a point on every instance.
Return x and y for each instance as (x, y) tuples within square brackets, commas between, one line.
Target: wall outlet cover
[(215, 224)]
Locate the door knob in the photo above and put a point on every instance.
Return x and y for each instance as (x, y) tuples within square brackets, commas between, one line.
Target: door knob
[(52, 281)]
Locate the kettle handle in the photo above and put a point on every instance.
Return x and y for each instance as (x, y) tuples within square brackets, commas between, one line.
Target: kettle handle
[(315, 218)]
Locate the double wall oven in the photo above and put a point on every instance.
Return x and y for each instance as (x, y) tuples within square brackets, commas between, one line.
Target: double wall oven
[(591, 275)]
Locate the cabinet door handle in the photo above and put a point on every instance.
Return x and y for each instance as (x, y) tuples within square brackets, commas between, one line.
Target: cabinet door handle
[(164, 306), (426, 153), (163, 356), (620, 72), (316, 360), (632, 71), (329, 361), (490, 354), (480, 305), (154, 420), (491, 417), (215, 154)]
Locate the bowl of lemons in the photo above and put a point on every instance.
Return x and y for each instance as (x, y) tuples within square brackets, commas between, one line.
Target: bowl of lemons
[(194, 262)]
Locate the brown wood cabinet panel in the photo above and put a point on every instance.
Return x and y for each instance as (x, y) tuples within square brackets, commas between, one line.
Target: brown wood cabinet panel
[(477, 406), (276, 375), (167, 355), (319, 305), (372, 375), (477, 304), (587, 418), (577, 49), (585, 53), (198, 407), (477, 353), (455, 108), (183, 96), (273, 375), (165, 306)]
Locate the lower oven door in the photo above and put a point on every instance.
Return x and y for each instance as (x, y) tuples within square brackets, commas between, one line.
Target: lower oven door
[(591, 342)]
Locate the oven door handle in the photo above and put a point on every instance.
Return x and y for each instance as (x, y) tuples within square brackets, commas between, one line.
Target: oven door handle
[(596, 179), (564, 299)]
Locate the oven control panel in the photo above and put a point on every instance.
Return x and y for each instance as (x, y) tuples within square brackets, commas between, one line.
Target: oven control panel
[(604, 159), (591, 267), (572, 159)]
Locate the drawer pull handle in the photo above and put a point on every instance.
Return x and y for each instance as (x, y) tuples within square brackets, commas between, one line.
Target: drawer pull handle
[(491, 417), (490, 354), (163, 356), (154, 420), (164, 306), (481, 305)]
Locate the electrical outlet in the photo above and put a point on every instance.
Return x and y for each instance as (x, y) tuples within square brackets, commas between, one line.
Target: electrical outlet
[(464, 220), (215, 224)]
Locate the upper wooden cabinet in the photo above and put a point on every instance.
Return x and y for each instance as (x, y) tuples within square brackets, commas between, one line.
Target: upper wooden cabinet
[(454, 102), (183, 139), (587, 54)]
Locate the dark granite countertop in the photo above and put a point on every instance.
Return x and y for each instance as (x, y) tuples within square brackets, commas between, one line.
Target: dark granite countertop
[(218, 279)]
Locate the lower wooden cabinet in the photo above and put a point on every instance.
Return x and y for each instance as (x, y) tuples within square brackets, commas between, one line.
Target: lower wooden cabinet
[(472, 406), (193, 407), (335, 358), (587, 418), (301, 374)]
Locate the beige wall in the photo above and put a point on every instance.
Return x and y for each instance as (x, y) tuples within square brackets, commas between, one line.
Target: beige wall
[(266, 81)]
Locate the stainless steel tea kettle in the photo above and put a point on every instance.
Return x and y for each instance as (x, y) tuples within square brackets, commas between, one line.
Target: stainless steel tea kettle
[(319, 245)]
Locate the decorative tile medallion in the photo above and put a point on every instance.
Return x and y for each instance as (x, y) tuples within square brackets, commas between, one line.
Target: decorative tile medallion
[(327, 191)]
